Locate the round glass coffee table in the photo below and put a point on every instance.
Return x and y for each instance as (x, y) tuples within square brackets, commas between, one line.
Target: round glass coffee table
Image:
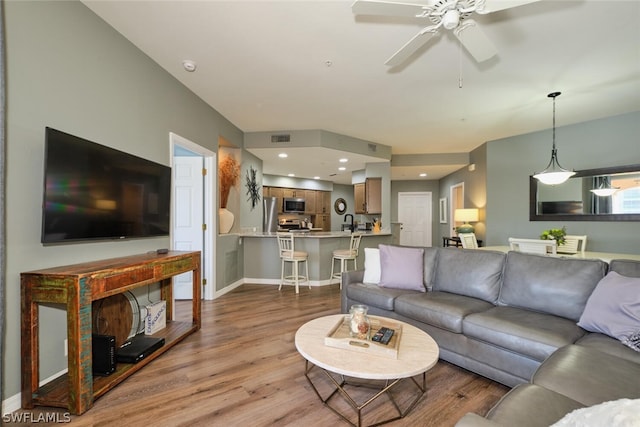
[(417, 353)]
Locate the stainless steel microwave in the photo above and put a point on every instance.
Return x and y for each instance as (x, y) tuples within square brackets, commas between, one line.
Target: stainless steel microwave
[(292, 205)]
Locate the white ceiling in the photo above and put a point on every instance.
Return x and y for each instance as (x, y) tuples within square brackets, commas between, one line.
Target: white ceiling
[(296, 65)]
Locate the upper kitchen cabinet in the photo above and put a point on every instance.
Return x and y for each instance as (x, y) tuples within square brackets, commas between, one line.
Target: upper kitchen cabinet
[(368, 196), (278, 193), (293, 192), (310, 205), (323, 202)]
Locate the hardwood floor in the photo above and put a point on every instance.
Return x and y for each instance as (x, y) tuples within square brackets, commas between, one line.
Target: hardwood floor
[(242, 369)]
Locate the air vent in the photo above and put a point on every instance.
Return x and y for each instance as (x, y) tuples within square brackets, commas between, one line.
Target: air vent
[(373, 148), (281, 138)]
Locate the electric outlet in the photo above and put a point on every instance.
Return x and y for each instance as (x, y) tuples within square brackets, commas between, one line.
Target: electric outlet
[(66, 348)]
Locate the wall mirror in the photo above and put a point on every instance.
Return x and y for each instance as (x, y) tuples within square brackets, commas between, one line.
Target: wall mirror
[(574, 200)]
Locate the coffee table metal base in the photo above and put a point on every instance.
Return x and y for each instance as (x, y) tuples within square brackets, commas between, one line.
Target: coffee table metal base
[(385, 389)]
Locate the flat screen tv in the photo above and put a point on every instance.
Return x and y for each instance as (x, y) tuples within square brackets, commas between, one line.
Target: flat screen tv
[(93, 192)]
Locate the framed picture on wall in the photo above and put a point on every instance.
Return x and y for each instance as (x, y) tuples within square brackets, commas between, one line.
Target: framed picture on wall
[(443, 210)]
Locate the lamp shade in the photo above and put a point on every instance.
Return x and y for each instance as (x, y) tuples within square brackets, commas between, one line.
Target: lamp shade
[(466, 215)]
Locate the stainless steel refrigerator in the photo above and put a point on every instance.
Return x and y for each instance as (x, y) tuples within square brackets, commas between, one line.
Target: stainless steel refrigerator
[(270, 214)]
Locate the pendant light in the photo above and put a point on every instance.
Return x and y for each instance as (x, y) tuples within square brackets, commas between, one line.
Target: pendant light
[(605, 189), (554, 173)]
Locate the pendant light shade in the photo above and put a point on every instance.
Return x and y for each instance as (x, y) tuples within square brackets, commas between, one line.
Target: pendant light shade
[(605, 189), (554, 173)]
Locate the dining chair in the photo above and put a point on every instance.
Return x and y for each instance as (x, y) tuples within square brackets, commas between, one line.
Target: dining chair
[(344, 256), (533, 246), (573, 244), (288, 255), (468, 240)]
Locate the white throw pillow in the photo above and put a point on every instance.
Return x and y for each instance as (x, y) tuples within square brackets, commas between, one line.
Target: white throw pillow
[(371, 266), (617, 413)]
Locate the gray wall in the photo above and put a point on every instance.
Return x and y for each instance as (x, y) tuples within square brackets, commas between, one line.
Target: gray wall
[(599, 143), (475, 191), (69, 70)]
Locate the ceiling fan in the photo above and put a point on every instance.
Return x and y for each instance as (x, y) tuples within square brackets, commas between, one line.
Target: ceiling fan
[(450, 14)]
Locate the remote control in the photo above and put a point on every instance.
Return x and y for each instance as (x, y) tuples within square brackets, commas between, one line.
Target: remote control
[(378, 335), (386, 337)]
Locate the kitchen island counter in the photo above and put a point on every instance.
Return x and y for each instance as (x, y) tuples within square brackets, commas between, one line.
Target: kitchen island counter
[(262, 261)]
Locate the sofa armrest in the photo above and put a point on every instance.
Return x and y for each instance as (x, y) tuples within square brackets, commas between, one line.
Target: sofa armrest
[(348, 277), (474, 420)]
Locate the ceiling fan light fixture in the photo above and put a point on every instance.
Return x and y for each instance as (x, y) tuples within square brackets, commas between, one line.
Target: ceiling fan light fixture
[(451, 19), (554, 174)]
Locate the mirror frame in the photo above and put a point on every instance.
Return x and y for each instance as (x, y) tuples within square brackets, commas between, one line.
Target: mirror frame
[(533, 202)]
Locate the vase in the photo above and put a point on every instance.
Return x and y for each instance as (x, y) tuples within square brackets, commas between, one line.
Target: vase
[(359, 325), (225, 220)]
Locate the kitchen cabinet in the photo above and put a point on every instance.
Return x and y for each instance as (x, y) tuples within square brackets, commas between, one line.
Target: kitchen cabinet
[(322, 221), (323, 202), (316, 201), (278, 193), (310, 201), (293, 192), (368, 196)]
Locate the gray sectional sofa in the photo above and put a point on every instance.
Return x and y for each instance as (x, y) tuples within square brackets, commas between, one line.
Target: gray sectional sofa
[(512, 318)]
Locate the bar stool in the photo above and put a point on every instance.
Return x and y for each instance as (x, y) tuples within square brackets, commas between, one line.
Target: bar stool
[(288, 254), (345, 255)]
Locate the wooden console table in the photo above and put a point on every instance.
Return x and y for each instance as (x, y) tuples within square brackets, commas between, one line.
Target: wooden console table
[(76, 286)]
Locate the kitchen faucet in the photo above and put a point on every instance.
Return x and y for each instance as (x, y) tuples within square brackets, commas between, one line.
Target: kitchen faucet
[(351, 227)]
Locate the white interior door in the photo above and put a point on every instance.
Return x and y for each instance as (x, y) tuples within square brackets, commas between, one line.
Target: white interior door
[(188, 233), (415, 214)]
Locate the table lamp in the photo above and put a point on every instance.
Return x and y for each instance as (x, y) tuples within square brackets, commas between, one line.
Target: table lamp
[(466, 216)]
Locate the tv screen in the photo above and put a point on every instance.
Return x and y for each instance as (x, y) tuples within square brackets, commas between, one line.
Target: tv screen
[(96, 192)]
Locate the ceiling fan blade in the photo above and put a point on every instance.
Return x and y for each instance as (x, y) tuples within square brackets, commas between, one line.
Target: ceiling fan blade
[(412, 46), (385, 8), (475, 41), (496, 5)]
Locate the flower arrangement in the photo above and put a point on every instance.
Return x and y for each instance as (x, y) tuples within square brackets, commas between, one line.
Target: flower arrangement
[(229, 171), (556, 234)]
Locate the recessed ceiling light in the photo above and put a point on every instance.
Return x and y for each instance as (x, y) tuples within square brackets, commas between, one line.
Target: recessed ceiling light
[(343, 160), (316, 177), (291, 174), (283, 155), (342, 168), (189, 65), (423, 174)]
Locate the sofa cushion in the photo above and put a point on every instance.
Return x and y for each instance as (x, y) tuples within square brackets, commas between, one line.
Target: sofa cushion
[(545, 284), (402, 268), (440, 309), (470, 272), (589, 376), (614, 309), (609, 345), (531, 405), (626, 267), (430, 260), (374, 295), (371, 266), (535, 335)]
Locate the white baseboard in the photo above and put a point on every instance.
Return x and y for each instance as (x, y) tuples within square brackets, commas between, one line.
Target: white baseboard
[(14, 402)]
